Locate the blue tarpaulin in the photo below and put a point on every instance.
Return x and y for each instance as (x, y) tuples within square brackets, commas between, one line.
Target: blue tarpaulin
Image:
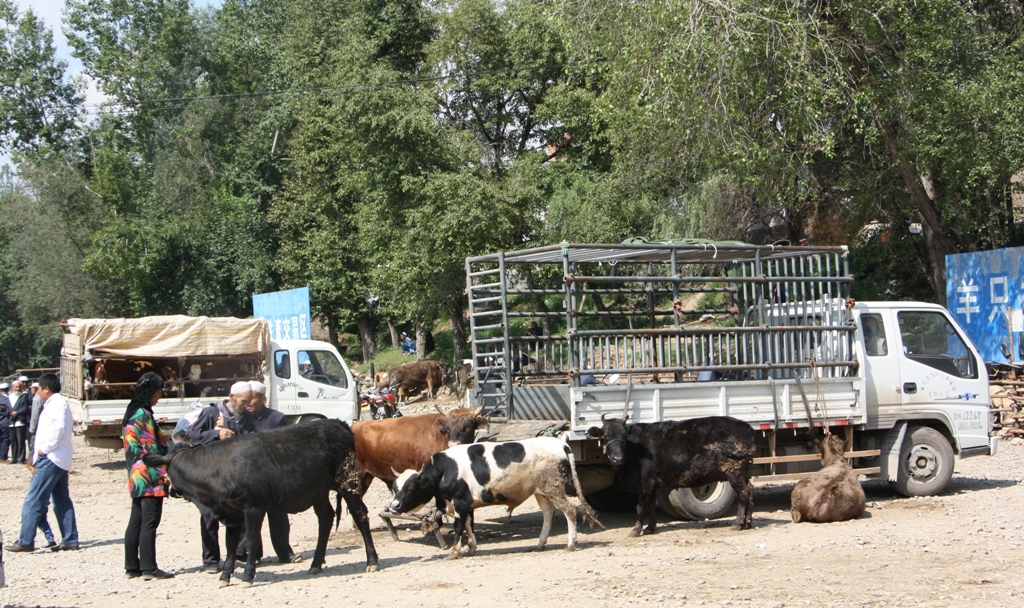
[(286, 311), (984, 292)]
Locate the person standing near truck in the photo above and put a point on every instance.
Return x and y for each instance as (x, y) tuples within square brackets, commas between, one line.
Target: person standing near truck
[(5, 422), (265, 419), (20, 414), (147, 485), (37, 406), (215, 423)]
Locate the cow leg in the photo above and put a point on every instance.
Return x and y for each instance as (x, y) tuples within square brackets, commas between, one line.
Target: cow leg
[(645, 510), (547, 508), (232, 534), (745, 500), (566, 506), (462, 519), (471, 535), (324, 517), (357, 508), (254, 544)]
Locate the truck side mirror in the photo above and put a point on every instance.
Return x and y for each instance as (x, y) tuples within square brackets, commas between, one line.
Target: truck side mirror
[(1020, 345), (1006, 351)]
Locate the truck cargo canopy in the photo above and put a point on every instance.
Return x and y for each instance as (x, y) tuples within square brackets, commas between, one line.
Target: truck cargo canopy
[(171, 336)]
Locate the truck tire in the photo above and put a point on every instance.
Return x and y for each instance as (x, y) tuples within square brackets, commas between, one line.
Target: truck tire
[(926, 463), (704, 502)]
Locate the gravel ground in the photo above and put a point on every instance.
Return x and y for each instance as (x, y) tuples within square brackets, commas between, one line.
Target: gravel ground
[(962, 548)]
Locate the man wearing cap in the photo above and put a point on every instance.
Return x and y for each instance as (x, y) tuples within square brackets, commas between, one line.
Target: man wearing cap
[(5, 421), (217, 422), (20, 414), (265, 419)]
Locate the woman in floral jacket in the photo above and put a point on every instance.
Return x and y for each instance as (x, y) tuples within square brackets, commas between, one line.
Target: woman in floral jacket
[(147, 485)]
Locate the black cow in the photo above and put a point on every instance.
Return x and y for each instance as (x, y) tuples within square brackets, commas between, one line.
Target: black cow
[(650, 456), (285, 470)]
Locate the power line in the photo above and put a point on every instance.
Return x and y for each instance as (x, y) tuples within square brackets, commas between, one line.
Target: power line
[(180, 103)]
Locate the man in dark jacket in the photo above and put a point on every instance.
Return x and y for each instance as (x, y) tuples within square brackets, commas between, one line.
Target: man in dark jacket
[(265, 419), (217, 422), (20, 415), (5, 422)]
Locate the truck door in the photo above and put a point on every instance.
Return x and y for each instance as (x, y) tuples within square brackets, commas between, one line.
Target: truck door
[(323, 385), (283, 386), (939, 369), (880, 362)]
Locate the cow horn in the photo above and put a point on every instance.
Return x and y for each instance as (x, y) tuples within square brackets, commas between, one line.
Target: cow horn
[(603, 416), (439, 410), (625, 417), (395, 473)]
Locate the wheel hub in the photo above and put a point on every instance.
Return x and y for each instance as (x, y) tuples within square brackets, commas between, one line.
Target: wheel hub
[(921, 462)]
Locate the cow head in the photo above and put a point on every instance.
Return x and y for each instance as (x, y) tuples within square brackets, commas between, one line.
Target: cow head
[(613, 435), (460, 425), (831, 449), (412, 492)]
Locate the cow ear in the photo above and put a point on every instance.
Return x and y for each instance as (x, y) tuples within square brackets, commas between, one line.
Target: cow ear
[(595, 432), (442, 425), (632, 432)]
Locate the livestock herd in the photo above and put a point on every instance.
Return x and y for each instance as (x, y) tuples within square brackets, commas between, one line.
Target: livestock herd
[(431, 460)]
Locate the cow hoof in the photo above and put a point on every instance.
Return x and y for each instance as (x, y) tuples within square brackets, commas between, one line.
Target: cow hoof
[(372, 567), (539, 548), (222, 584), (314, 570), (245, 584), (650, 531), (453, 556), (634, 533), (570, 547), (471, 552)]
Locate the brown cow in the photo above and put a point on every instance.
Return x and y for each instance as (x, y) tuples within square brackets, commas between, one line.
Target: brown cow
[(833, 493), (416, 376), (396, 444)]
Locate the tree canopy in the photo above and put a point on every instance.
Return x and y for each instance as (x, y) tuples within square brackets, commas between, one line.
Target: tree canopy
[(367, 147)]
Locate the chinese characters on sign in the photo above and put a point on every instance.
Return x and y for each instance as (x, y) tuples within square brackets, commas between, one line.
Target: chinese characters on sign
[(984, 291), (287, 313)]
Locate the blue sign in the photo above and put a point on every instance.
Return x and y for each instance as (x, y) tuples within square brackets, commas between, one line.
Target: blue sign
[(984, 291), (287, 313)]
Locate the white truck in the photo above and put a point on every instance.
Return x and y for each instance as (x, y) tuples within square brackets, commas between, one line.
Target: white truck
[(199, 358), (766, 334)]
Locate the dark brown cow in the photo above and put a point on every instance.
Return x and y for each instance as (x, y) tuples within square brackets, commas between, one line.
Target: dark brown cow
[(396, 444), (832, 494), (416, 376)]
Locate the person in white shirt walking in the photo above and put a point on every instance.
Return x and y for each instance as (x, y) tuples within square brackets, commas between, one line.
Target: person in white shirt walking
[(51, 455)]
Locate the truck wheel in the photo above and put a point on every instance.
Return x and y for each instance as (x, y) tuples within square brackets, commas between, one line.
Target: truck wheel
[(703, 502), (926, 463)]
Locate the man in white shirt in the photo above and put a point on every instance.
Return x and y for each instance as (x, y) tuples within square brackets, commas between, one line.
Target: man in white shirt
[(51, 455)]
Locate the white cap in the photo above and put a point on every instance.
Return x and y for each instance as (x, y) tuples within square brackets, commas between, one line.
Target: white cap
[(240, 387), (4, 386), (22, 378), (35, 385), (258, 387)]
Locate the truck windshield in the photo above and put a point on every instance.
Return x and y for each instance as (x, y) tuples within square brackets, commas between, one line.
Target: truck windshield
[(930, 339), (323, 367)]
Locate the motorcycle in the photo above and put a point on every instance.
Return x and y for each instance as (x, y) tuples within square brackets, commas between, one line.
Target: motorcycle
[(380, 403)]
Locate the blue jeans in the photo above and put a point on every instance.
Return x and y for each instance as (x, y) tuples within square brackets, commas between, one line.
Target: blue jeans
[(49, 481)]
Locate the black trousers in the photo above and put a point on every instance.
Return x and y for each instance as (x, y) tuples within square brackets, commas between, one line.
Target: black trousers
[(140, 535), (280, 529), (5, 441), (18, 444)]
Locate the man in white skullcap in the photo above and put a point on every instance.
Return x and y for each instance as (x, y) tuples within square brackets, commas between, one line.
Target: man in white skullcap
[(216, 422), (265, 419)]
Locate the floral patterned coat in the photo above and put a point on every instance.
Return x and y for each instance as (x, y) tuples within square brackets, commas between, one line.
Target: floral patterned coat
[(142, 436)]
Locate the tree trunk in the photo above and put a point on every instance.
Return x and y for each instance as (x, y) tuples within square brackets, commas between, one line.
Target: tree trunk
[(332, 333), (365, 325), (393, 330), (421, 342), (458, 328)]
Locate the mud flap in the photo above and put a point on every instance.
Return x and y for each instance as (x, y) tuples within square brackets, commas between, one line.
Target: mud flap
[(891, 445)]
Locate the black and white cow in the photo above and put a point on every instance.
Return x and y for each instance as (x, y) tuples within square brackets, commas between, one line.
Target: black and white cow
[(465, 477)]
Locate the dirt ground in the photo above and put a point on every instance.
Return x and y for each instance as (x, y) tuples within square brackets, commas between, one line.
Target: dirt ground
[(962, 548)]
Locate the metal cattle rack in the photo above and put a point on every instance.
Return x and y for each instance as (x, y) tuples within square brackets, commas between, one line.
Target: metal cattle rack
[(749, 312)]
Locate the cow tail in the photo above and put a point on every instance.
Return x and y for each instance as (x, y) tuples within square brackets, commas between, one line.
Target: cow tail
[(337, 511), (588, 513)]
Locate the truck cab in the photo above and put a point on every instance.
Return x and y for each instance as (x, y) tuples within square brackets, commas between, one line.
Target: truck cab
[(308, 378)]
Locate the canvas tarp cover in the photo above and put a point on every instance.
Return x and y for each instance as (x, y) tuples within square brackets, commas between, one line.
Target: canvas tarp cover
[(172, 336)]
